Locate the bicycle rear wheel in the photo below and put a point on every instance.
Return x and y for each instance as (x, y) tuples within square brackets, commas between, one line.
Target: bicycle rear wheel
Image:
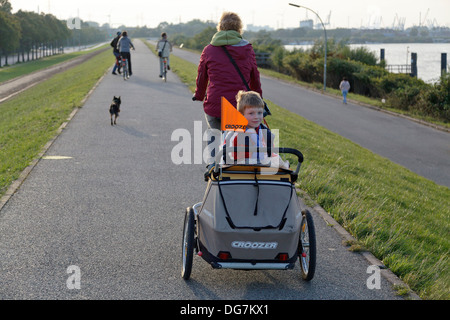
[(125, 70), (188, 243), (165, 71), (307, 246)]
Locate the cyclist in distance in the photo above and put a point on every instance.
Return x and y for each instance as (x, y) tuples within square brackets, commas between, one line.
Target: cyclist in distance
[(124, 44), (164, 48), (116, 52)]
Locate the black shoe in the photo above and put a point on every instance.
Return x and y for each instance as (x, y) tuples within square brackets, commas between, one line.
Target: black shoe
[(114, 73), (168, 67), (119, 72), (160, 75)]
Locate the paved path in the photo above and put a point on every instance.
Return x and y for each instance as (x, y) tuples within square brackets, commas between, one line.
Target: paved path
[(113, 210), (421, 149)]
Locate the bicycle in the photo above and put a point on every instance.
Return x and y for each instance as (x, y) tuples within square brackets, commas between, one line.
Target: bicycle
[(164, 75), (125, 69)]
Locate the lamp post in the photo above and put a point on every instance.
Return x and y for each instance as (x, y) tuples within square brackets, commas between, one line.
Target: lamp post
[(325, 30)]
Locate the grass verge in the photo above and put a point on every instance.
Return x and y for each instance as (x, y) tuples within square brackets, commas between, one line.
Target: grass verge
[(402, 218), (32, 118), (20, 69)]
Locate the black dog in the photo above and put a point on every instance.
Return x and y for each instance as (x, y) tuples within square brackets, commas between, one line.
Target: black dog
[(114, 109)]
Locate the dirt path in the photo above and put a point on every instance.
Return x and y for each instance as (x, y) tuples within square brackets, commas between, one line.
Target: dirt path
[(12, 87)]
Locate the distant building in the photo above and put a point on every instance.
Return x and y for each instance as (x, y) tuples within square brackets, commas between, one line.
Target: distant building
[(307, 24), (253, 28)]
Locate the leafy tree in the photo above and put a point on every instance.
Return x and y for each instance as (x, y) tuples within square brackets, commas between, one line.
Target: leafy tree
[(58, 28), (5, 6), (199, 41), (10, 31), (414, 32), (263, 41), (30, 28)]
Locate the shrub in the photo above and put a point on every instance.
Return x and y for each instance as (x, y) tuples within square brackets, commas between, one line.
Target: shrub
[(277, 58), (435, 100), (363, 55), (338, 68), (404, 98), (393, 81), (301, 66)]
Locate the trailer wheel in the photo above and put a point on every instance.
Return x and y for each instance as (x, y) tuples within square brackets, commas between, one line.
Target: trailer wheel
[(188, 243), (307, 246)]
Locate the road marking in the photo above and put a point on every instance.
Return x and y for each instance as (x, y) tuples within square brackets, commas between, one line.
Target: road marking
[(56, 157)]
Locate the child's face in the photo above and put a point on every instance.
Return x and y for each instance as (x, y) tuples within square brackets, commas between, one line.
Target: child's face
[(254, 115)]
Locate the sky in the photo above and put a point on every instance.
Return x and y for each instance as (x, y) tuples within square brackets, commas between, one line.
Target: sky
[(273, 13)]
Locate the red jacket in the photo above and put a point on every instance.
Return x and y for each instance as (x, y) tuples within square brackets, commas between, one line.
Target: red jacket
[(217, 76)]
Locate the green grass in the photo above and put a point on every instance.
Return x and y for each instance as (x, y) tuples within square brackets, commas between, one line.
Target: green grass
[(32, 118), (182, 69), (23, 68), (400, 217)]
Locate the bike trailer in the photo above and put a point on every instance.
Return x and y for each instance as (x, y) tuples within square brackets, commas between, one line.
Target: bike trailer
[(250, 218)]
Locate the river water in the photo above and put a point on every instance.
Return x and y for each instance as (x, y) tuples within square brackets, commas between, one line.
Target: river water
[(428, 56)]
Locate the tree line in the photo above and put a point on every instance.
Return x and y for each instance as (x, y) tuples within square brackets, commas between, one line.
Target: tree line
[(31, 35)]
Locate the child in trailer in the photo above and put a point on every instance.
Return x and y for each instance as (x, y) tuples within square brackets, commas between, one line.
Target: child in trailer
[(251, 106)]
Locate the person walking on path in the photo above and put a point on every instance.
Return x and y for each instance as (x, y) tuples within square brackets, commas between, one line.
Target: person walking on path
[(216, 76), (124, 45), (344, 86), (116, 52), (164, 49)]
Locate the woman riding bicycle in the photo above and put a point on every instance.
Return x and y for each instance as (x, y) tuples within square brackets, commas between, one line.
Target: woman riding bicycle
[(124, 44), (216, 76)]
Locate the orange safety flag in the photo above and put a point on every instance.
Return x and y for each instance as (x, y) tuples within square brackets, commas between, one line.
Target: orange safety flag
[(232, 119)]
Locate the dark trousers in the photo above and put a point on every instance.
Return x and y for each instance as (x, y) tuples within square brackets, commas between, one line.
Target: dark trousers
[(127, 55), (116, 65)]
